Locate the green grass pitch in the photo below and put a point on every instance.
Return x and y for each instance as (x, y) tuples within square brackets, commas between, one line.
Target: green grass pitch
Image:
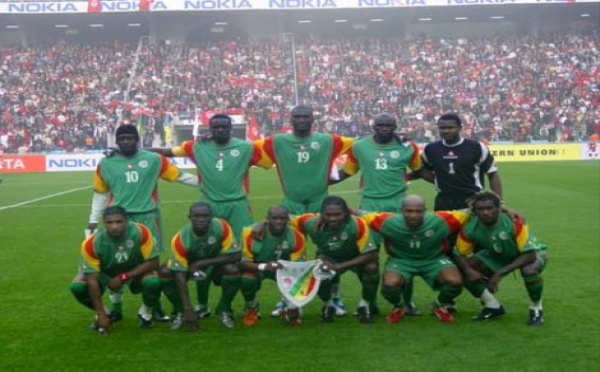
[(43, 328)]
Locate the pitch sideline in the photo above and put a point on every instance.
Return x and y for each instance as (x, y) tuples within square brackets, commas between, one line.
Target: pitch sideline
[(43, 198)]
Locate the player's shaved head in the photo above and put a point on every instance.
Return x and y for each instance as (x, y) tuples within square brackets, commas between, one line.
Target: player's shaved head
[(413, 211), (413, 201)]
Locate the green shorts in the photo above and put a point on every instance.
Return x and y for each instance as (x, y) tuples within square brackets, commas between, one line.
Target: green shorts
[(391, 204), (429, 270), (153, 221), (237, 213), (494, 263), (297, 208), (135, 286)]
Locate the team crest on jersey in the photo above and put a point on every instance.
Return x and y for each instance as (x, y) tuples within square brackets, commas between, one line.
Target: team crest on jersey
[(143, 164), (285, 245), (344, 236), (235, 153), (129, 243), (212, 240), (450, 155), (503, 235), (429, 233), (315, 145), (394, 154)]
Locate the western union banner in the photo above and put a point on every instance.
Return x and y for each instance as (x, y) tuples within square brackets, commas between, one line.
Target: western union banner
[(536, 152)]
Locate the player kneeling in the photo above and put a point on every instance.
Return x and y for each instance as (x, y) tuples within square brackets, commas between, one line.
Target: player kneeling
[(492, 245), (263, 244), (121, 253)]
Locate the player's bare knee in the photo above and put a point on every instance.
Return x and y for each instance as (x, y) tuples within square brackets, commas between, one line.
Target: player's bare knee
[(392, 280), (531, 269)]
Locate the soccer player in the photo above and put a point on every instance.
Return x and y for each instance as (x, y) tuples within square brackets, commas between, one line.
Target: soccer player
[(414, 242), (492, 245), (260, 253), (204, 250), (122, 253), (304, 160), (129, 178), (383, 159), (343, 243), (222, 163), (457, 165)]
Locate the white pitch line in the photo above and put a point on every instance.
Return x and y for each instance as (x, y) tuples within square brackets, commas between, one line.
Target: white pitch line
[(163, 202), (43, 198)]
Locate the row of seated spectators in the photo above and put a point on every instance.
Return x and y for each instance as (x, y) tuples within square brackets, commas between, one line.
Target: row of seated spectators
[(523, 88)]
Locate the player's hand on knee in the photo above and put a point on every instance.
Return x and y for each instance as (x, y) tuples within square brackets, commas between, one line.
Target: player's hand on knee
[(493, 282), (103, 323)]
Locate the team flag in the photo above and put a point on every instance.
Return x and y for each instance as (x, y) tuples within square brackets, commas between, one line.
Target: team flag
[(299, 282)]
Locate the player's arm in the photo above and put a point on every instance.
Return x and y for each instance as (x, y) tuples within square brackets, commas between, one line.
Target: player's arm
[(177, 151), (464, 249), (523, 259), (90, 263), (375, 220), (148, 252), (299, 250), (495, 183), (260, 157), (488, 165), (351, 167), (247, 260), (230, 251), (364, 245), (190, 318), (169, 172), (362, 259), (178, 264), (99, 201), (425, 171), (455, 220)]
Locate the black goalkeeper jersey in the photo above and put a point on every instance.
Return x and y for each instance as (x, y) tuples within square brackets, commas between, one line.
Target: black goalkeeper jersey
[(459, 169)]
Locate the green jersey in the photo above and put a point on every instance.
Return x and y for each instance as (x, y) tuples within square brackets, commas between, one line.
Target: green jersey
[(382, 166), (290, 246), (132, 181), (102, 254), (348, 241), (426, 242), (187, 247), (222, 169), (504, 241), (303, 164)]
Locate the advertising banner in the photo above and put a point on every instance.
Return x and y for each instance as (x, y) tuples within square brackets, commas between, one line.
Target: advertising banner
[(125, 6), (536, 152), (22, 163)]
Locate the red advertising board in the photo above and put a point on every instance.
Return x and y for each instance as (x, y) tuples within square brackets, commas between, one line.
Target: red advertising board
[(22, 163)]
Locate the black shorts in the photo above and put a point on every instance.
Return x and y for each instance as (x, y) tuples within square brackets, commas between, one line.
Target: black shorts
[(447, 203)]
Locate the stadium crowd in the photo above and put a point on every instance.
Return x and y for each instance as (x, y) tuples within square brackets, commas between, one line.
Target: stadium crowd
[(67, 96)]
